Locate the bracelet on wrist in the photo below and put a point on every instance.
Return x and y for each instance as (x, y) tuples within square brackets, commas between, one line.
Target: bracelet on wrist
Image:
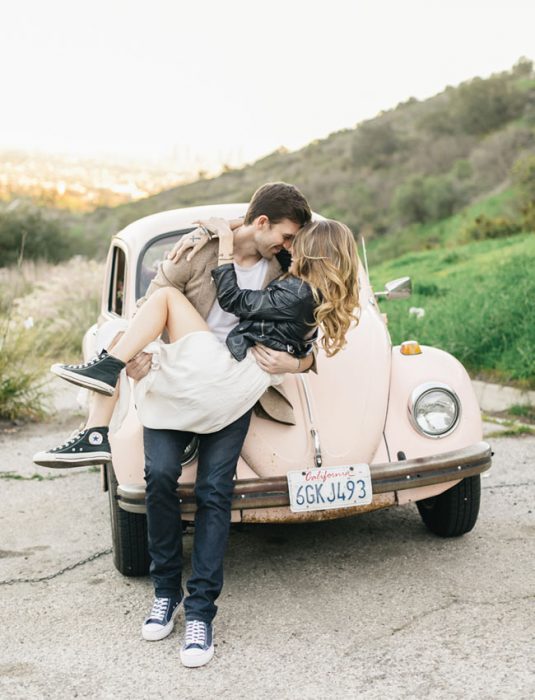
[(207, 231)]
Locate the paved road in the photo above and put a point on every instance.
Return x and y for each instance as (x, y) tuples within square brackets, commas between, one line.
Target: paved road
[(373, 607)]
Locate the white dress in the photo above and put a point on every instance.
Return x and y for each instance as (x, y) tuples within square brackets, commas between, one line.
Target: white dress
[(199, 386), (195, 384)]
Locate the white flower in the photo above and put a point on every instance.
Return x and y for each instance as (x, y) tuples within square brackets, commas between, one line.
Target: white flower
[(28, 323), (417, 311)]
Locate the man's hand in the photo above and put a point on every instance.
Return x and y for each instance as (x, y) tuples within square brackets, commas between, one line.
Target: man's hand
[(278, 362), (139, 366)]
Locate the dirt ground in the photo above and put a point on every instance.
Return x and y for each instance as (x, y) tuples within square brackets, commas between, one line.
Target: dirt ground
[(369, 607)]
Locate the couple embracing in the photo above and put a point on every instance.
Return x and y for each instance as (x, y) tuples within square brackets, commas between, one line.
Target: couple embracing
[(236, 323)]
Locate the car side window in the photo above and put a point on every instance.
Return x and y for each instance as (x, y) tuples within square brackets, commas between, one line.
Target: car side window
[(152, 257), (117, 282)]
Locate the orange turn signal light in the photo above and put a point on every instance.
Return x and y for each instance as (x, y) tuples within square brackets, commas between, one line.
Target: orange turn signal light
[(410, 347)]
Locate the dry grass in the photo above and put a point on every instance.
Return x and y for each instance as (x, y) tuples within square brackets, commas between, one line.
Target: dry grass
[(45, 311), (18, 280)]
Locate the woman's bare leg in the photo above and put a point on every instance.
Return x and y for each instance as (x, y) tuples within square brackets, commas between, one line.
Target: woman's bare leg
[(100, 409), (166, 308)]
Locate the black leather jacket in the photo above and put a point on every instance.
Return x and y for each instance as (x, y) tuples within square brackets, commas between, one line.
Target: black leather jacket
[(279, 316)]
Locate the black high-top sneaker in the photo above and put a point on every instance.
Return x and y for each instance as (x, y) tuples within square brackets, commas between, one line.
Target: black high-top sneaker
[(89, 446), (100, 374)]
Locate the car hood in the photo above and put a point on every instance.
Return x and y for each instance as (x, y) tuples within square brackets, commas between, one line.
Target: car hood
[(340, 411)]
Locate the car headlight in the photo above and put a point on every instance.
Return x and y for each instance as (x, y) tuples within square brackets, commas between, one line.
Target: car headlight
[(434, 409)]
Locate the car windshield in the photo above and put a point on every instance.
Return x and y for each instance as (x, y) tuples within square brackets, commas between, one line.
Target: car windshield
[(151, 257)]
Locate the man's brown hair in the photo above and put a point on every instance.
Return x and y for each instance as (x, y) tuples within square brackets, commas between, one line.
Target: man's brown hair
[(278, 201)]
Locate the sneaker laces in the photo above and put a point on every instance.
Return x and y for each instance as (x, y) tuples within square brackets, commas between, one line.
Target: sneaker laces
[(72, 438), (159, 608), (84, 365), (195, 632)]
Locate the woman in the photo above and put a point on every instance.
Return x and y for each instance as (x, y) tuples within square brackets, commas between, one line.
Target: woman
[(200, 386)]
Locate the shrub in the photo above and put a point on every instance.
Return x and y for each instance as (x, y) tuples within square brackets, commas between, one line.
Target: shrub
[(438, 121), (463, 169), (484, 227), (21, 383), (528, 216), (409, 201), (441, 198), (523, 174), (452, 258), (493, 158), (480, 106), (374, 143), (423, 199), (27, 232), (428, 289), (523, 68)]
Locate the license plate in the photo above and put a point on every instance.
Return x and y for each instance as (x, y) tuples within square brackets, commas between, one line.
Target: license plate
[(330, 487)]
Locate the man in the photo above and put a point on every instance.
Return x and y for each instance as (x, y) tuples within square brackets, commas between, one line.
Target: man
[(276, 213)]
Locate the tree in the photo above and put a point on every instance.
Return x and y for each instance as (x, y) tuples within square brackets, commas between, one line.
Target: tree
[(28, 233), (374, 143), (523, 68), (423, 199), (480, 106)]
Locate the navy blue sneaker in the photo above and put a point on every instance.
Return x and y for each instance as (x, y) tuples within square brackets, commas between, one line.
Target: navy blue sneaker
[(198, 647), (160, 622), (100, 374), (89, 446)]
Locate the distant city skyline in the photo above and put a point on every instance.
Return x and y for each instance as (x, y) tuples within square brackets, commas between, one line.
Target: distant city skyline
[(200, 86), (81, 183)]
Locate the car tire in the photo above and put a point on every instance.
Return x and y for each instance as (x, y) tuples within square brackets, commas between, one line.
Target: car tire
[(454, 512), (128, 534)]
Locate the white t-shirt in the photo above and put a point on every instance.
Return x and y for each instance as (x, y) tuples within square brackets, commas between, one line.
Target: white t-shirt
[(221, 322)]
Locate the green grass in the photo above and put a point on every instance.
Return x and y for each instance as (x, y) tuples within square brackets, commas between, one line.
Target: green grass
[(15, 476), (478, 302), (516, 431), (523, 411)]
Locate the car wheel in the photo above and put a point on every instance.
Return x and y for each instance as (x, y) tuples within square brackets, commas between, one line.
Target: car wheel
[(455, 511), (128, 534)]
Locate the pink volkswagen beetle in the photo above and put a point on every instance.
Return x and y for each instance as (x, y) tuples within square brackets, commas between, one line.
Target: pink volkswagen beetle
[(377, 426)]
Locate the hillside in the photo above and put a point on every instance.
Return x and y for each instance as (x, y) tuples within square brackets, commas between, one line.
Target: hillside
[(415, 164), (393, 178)]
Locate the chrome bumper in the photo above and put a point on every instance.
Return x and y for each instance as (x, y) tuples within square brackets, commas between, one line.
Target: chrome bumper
[(386, 478)]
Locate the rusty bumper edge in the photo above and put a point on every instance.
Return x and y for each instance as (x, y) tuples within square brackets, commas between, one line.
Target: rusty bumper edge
[(387, 477)]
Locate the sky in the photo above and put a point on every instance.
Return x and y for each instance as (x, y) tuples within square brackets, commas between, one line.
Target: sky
[(206, 82)]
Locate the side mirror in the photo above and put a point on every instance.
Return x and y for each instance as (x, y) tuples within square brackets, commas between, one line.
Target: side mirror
[(396, 289)]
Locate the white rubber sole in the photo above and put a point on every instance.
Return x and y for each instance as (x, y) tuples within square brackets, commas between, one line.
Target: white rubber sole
[(160, 632), (195, 657), (64, 461), (85, 382)]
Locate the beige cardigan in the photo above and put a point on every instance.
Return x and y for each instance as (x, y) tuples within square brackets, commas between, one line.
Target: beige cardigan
[(194, 280)]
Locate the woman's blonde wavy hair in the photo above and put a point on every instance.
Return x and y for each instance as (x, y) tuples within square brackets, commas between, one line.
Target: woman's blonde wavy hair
[(324, 254)]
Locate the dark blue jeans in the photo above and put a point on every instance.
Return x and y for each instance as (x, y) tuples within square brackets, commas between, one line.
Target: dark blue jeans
[(218, 456)]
